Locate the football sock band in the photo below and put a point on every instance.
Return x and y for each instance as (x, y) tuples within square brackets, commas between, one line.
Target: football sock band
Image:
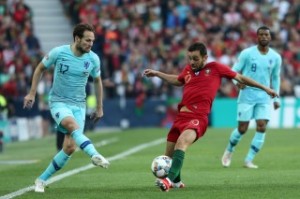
[(177, 162), (256, 144), (59, 160), (84, 143), (234, 139)]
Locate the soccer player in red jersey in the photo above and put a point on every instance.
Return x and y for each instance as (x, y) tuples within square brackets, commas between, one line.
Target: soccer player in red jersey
[(200, 81)]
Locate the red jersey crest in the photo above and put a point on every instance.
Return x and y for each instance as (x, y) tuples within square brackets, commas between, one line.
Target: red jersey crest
[(207, 72)]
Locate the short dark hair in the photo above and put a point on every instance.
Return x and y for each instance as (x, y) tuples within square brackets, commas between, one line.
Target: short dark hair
[(80, 28), (198, 46), (263, 28)]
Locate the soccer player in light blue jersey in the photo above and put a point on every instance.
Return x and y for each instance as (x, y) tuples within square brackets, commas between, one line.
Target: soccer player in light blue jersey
[(67, 99), (262, 64)]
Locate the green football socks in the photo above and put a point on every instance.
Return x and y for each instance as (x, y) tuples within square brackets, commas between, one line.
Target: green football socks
[(177, 162)]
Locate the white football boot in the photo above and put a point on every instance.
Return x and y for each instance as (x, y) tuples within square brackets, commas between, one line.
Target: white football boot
[(39, 186), (250, 165), (99, 160), (226, 159)]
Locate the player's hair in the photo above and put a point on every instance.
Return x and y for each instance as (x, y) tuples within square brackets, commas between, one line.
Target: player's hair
[(80, 28), (198, 46), (263, 28)]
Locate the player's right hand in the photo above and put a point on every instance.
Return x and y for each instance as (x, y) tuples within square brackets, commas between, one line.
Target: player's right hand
[(28, 101), (149, 73)]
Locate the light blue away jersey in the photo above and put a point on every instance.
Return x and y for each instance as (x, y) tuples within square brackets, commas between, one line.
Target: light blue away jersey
[(263, 68), (71, 74)]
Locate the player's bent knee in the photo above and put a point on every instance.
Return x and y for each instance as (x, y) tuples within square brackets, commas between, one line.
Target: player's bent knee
[(69, 149), (69, 124)]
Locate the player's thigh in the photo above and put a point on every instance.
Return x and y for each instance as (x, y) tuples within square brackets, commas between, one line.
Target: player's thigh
[(80, 115), (61, 111), (186, 138), (262, 112), (245, 112)]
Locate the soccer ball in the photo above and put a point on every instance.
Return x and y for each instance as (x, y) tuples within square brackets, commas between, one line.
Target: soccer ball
[(160, 166)]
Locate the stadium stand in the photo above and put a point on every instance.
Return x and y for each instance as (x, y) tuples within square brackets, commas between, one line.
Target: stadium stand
[(136, 34)]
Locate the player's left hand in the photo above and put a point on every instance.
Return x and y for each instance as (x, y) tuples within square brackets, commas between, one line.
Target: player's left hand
[(271, 92), (95, 116), (276, 105)]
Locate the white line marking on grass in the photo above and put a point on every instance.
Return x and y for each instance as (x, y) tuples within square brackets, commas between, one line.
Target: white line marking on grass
[(13, 162), (98, 144), (87, 167)]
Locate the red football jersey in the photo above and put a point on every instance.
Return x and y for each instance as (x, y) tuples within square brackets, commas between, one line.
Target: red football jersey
[(200, 88)]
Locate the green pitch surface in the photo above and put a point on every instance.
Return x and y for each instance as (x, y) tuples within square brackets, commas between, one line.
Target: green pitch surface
[(129, 175)]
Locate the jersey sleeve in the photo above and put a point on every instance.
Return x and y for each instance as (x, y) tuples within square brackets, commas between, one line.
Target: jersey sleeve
[(275, 78), (50, 58), (239, 64), (182, 75), (226, 71), (96, 72)]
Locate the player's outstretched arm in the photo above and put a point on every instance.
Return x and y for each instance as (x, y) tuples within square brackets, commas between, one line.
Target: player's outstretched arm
[(30, 97), (171, 79), (245, 80)]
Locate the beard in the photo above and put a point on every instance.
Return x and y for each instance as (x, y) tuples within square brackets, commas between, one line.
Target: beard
[(264, 43), (82, 50), (197, 67)]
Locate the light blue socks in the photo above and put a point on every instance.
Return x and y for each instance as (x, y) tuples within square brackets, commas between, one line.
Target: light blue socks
[(256, 144), (84, 143), (59, 160), (234, 140)]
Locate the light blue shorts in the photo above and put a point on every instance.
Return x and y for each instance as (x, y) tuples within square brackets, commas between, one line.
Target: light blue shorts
[(60, 110), (246, 112)]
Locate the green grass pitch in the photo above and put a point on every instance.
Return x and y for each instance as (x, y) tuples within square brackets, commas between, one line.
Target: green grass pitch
[(129, 175)]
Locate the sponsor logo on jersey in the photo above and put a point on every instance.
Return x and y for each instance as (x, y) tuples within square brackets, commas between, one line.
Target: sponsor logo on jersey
[(57, 115)]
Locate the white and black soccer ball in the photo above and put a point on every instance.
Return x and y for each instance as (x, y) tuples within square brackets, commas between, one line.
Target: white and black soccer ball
[(160, 166)]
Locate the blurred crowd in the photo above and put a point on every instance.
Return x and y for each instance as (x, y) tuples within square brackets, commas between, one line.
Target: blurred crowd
[(135, 34), (19, 48), (132, 35)]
